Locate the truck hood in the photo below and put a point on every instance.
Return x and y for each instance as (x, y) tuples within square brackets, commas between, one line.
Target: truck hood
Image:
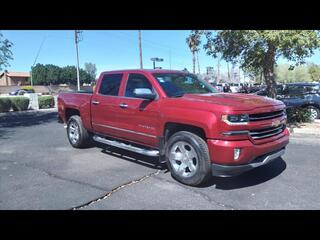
[(234, 100)]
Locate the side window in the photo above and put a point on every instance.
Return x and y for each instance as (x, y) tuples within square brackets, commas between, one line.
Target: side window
[(110, 84), (136, 81)]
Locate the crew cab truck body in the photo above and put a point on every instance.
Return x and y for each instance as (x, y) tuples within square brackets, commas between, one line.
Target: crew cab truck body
[(171, 114)]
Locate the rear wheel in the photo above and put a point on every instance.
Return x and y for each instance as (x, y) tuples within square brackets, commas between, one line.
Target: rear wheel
[(78, 136), (188, 158), (314, 112)]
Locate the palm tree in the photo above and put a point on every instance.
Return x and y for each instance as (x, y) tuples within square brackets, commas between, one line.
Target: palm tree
[(193, 42)]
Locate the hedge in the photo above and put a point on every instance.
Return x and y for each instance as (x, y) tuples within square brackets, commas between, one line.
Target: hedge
[(28, 88), (5, 104), (46, 102), (298, 115), (19, 103)]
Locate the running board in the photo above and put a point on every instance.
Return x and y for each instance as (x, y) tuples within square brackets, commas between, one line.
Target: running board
[(143, 151)]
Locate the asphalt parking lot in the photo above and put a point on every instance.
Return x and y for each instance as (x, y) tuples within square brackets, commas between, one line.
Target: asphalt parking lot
[(40, 170)]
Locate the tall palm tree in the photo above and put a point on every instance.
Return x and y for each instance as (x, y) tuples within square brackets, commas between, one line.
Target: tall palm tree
[(193, 42)]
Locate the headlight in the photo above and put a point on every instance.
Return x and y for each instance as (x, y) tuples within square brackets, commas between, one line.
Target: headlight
[(235, 119)]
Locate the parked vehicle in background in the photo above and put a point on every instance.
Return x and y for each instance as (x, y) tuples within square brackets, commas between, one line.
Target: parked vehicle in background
[(235, 87), (180, 119), (255, 87), (19, 92), (305, 95)]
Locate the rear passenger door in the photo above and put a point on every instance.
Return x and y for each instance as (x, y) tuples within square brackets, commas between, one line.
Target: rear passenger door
[(105, 105)]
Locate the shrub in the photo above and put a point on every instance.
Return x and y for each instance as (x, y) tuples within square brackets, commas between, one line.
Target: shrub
[(28, 88), (5, 104), (46, 101), (19, 103), (298, 115)]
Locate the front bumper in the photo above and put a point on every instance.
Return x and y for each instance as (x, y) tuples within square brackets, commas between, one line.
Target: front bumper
[(251, 156), (229, 171)]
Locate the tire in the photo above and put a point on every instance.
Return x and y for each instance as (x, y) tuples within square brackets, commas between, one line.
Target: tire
[(195, 166), (78, 136), (315, 112)]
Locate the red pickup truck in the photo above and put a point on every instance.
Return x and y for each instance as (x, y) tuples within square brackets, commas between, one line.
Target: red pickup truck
[(175, 116)]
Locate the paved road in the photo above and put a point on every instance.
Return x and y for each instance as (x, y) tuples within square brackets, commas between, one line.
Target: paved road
[(40, 170)]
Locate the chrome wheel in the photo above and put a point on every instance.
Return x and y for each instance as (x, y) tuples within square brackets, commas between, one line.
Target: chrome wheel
[(73, 132), (313, 113), (183, 159)]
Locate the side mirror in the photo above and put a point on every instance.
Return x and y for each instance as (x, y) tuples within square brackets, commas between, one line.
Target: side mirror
[(144, 93)]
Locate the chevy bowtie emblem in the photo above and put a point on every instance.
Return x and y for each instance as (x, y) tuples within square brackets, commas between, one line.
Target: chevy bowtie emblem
[(275, 123)]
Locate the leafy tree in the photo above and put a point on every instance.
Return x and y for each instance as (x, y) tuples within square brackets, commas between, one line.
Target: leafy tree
[(260, 49), (314, 71), (85, 77), (91, 69), (193, 42), (5, 52), (69, 75), (39, 74), (53, 73)]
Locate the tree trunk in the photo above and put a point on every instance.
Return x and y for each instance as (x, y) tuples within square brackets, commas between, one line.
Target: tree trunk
[(194, 62), (198, 62), (268, 72)]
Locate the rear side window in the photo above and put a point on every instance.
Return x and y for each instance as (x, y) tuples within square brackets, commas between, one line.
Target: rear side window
[(110, 84), (137, 81)]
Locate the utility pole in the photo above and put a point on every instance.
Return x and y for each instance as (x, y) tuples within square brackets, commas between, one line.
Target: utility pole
[(140, 50), (76, 40)]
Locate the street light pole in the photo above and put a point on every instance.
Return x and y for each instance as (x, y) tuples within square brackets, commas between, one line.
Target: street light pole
[(76, 40)]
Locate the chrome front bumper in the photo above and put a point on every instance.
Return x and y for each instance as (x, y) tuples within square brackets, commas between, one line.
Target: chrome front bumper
[(234, 170)]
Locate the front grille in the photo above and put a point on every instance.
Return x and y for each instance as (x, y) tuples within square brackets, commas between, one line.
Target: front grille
[(265, 115), (267, 132)]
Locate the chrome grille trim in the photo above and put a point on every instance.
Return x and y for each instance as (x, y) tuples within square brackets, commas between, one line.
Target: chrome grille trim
[(266, 115), (267, 132)]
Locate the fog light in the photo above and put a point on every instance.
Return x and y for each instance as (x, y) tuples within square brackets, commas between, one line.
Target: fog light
[(236, 153)]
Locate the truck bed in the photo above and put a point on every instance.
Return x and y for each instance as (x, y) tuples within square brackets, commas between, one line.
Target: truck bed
[(79, 100)]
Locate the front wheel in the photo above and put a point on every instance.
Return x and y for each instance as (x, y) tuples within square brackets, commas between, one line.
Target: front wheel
[(187, 158)]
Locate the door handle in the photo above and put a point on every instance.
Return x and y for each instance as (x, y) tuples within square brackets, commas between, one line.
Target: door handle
[(95, 102), (123, 105)]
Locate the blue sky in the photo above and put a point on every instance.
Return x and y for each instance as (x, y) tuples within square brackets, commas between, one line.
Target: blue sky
[(108, 49)]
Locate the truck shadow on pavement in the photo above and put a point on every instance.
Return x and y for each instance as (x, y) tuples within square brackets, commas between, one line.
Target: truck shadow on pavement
[(26, 119), (9, 121), (254, 177), (150, 162), (251, 178)]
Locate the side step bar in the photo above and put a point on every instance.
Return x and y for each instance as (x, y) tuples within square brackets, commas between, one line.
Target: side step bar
[(147, 152)]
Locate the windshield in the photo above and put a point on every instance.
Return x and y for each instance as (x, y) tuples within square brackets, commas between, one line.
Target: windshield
[(178, 84)]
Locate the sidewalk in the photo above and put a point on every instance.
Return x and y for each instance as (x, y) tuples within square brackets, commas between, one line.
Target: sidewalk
[(307, 128)]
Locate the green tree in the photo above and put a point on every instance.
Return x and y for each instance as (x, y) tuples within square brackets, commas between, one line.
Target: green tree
[(85, 77), (69, 75), (39, 74), (5, 52), (91, 69), (193, 42), (53, 73), (260, 49), (314, 71)]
